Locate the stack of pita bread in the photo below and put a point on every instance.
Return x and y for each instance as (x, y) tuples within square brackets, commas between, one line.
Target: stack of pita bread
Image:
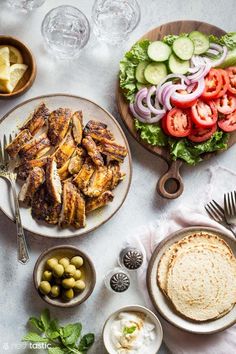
[(198, 275)]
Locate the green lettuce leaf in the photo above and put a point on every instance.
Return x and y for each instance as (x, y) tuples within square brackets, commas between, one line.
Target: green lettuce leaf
[(128, 66), (151, 133), (228, 39), (170, 38)]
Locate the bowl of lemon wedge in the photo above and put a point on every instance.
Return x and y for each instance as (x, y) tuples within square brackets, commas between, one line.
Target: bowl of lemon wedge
[(17, 67)]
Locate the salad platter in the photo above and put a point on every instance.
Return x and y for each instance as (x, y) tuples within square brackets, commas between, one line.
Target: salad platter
[(185, 58)]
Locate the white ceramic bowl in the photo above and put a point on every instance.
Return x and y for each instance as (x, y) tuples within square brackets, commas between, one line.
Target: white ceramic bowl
[(132, 308)]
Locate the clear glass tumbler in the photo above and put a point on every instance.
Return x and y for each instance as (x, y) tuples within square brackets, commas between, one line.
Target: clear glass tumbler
[(66, 31), (25, 5), (113, 20)]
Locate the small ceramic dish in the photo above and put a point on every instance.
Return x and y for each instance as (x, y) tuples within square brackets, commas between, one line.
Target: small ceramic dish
[(87, 269), (154, 346), (27, 80)]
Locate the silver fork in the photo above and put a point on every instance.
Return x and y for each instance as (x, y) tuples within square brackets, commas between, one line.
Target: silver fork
[(230, 207), (7, 172), (217, 213)]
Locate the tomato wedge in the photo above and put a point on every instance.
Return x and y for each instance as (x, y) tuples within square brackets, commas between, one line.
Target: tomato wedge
[(198, 135), (164, 125), (213, 84), (180, 104), (226, 104), (204, 114), (231, 71), (228, 122), (178, 122), (225, 83)]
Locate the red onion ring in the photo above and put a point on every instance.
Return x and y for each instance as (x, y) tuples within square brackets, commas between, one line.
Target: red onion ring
[(139, 102), (169, 92), (160, 89), (153, 109), (136, 115), (222, 58), (191, 96)]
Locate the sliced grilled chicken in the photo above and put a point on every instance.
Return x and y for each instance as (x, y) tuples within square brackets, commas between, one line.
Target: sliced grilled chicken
[(20, 140), (112, 150), (77, 161), (58, 124), (92, 150), (43, 208), (35, 148), (77, 126), (68, 204), (83, 177), (63, 171), (98, 202), (37, 119), (117, 175), (100, 179), (53, 181), (26, 167), (34, 180), (79, 218), (98, 130), (65, 150)]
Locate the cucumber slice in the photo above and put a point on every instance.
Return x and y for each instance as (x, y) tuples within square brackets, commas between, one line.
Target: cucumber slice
[(159, 51), (230, 59), (200, 41), (183, 47), (155, 72), (139, 74), (178, 66)]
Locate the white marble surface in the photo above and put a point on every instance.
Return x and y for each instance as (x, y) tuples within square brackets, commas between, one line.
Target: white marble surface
[(93, 75)]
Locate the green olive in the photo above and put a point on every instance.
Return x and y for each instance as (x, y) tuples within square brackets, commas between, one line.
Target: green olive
[(58, 270), (64, 261), (68, 283), (77, 261), (70, 270), (55, 291), (45, 287), (77, 274), (52, 262), (69, 294), (79, 285), (47, 275)]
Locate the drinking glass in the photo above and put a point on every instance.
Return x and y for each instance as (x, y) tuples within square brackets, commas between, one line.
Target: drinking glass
[(66, 31), (26, 5), (113, 20)]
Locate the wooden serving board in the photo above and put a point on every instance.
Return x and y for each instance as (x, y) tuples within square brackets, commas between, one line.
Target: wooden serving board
[(170, 185)]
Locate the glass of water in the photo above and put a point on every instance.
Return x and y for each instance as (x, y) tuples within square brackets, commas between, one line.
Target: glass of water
[(66, 31), (113, 20), (26, 5)]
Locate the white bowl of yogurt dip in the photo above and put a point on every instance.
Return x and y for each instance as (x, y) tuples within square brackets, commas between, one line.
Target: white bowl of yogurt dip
[(132, 330)]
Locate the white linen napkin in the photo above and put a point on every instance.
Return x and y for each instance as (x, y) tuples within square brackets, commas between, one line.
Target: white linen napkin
[(147, 238)]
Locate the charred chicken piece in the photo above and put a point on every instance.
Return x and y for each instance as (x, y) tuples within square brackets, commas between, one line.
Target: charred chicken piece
[(98, 202), (35, 148), (112, 150), (68, 204), (100, 179), (20, 140), (83, 177), (98, 130), (92, 150), (65, 150), (79, 218), (26, 167), (117, 175), (53, 181), (63, 171), (34, 180), (77, 161), (77, 126), (37, 120), (58, 124), (43, 208)]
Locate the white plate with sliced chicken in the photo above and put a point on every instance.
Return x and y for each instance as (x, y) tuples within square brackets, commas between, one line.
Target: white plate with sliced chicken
[(73, 165)]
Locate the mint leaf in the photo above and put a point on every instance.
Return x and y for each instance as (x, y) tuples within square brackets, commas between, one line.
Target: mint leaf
[(86, 342), (35, 322), (53, 330), (34, 337), (129, 330), (56, 350), (45, 318), (71, 333)]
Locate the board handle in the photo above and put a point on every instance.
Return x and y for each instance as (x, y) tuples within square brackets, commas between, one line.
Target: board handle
[(170, 185)]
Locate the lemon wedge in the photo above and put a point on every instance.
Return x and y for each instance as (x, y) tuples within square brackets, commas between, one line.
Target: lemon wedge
[(16, 73), (15, 55), (4, 64)]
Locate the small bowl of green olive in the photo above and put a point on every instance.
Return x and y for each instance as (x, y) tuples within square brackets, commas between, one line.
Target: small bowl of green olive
[(64, 276)]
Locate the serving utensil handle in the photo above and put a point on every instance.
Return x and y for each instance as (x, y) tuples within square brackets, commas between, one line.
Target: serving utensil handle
[(170, 185), (22, 249)]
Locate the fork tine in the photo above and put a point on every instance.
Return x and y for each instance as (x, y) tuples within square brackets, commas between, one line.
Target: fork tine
[(226, 206), (219, 207), (217, 212), (5, 154), (210, 212), (233, 203), (10, 138), (229, 204), (1, 154)]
